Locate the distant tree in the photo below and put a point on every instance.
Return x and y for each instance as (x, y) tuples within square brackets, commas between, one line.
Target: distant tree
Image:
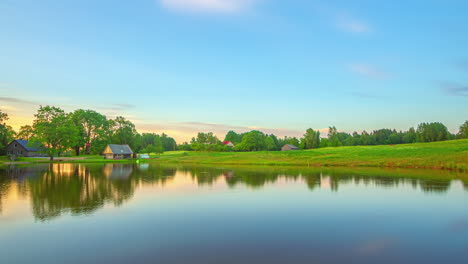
[(233, 137), (409, 136), (463, 133), (333, 138), (430, 132), (54, 129), (311, 139), (324, 143), (270, 144), (158, 145), (185, 146), (252, 141), (168, 143)]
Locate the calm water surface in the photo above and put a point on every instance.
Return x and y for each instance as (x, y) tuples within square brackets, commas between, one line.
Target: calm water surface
[(116, 213)]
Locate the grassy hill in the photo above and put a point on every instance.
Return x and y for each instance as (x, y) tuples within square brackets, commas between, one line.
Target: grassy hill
[(437, 155)]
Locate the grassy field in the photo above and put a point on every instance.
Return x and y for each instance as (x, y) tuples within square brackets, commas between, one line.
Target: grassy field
[(438, 155), (450, 155)]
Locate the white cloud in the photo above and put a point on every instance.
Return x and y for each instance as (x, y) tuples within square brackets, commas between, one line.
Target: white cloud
[(369, 71), (208, 6)]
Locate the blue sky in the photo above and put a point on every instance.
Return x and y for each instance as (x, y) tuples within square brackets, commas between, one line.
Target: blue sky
[(182, 66)]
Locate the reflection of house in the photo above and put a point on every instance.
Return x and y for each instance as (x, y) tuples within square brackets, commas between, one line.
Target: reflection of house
[(289, 147), (20, 147), (114, 151), (118, 171), (228, 143)]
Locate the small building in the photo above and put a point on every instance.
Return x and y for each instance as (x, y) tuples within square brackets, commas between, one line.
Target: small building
[(113, 151), (22, 148), (228, 143), (289, 147)]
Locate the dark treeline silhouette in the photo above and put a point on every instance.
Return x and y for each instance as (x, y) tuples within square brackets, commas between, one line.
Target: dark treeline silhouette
[(55, 189)]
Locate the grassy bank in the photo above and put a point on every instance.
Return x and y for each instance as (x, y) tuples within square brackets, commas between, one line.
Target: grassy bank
[(437, 155), (449, 155)]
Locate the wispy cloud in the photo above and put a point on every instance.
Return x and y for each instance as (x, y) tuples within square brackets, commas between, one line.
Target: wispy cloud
[(15, 100), (208, 6), (454, 89), (353, 25), (369, 71)]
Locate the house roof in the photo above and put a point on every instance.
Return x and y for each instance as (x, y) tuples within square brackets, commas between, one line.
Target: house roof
[(289, 145), (120, 149), (24, 144), (226, 142)]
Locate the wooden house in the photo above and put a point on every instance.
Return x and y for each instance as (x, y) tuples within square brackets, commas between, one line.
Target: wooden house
[(113, 151), (289, 147), (22, 148)]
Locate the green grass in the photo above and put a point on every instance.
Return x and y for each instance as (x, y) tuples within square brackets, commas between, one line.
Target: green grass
[(449, 155), (437, 155)]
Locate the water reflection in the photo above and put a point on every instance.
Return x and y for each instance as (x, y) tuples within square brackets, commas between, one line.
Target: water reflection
[(82, 189)]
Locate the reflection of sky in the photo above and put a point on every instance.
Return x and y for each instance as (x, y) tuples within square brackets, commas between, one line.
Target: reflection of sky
[(182, 221)]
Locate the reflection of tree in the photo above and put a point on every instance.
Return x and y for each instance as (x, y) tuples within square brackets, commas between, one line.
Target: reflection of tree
[(4, 187), (435, 186), (257, 177), (81, 189)]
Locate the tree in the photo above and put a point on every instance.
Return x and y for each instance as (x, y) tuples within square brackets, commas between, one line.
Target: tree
[(311, 139), (6, 133), (463, 133), (430, 132), (168, 143), (92, 125), (25, 132), (409, 136), (333, 139), (270, 144), (55, 130), (122, 131), (233, 137), (252, 141), (158, 145)]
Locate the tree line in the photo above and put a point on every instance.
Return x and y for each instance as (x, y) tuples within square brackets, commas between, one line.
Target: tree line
[(80, 132), (258, 141), (89, 132)]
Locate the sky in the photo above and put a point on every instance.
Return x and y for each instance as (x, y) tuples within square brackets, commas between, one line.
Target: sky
[(184, 66)]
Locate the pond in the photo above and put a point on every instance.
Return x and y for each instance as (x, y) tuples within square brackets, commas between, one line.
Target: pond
[(149, 213)]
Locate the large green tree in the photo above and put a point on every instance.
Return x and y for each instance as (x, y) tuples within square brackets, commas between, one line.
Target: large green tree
[(92, 126), (122, 131), (25, 132), (54, 129)]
